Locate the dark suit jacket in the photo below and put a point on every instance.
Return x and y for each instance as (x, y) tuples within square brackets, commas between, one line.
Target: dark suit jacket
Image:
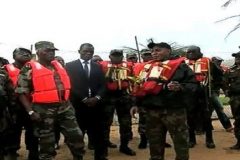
[(80, 83)]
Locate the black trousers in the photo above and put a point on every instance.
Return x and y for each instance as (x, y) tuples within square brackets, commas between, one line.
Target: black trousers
[(91, 120)]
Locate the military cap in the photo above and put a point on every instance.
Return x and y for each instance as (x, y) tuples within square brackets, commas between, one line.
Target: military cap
[(130, 55), (116, 52), (21, 50), (194, 49), (145, 51), (236, 54), (44, 45), (160, 45), (216, 58)]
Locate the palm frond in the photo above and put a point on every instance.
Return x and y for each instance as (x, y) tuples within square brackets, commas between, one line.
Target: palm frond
[(129, 50), (233, 30), (142, 45), (227, 18), (226, 4)]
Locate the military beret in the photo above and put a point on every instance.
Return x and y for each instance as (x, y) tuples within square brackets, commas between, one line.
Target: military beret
[(44, 45), (130, 55), (194, 49), (21, 50), (116, 52), (145, 51), (160, 45)]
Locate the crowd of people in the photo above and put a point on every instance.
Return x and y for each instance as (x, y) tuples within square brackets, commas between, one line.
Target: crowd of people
[(175, 94)]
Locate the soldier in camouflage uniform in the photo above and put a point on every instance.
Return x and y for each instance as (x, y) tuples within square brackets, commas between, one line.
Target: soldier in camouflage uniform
[(118, 98), (8, 145), (132, 57), (199, 110), (21, 118), (232, 90), (216, 84), (56, 108), (166, 109), (146, 56)]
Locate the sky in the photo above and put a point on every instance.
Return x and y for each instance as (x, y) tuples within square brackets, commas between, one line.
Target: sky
[(112, 24)]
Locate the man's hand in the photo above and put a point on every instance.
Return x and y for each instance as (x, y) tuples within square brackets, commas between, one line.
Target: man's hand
[(35, 117), (133, 111), (174, 86)]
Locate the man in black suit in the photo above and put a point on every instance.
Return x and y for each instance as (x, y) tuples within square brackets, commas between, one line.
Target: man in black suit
[(88, 87)]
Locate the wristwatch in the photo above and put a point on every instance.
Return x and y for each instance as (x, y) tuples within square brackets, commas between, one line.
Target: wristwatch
[(30, 113), (98, 97)]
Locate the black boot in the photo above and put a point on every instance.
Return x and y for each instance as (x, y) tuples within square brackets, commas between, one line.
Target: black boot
[(90, 146), (1, 156), (78, 158), (209, 140), (192, 138), (111, 145), (125, 149), (33, 155), (143, 142), (167, 145)]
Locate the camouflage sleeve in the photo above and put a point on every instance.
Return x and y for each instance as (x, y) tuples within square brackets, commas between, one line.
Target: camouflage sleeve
[(24, 84), (225, 87), (2, 82)]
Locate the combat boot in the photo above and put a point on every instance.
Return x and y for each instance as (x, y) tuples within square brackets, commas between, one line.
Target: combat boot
[(192, 140), (90, 146), (167, 145), (209, 140), (143, 142), (1, 156), (78, 158), (111, 145), (125, 149), (33, 155)]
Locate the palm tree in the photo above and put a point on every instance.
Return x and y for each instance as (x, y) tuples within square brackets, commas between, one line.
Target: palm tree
[(177, 50), (237, 26)]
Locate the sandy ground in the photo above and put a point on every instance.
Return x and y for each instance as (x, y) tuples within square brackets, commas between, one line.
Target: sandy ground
[(222, 138)]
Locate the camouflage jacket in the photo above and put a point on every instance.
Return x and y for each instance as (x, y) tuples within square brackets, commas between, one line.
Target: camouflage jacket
[(232, 81), (6, 86), (24, 84), (6, 92)]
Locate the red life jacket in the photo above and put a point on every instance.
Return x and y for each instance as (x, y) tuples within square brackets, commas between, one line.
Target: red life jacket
[(137, 68), (117, 84), (200, 67), (153, 71), (45, 89), (13, 73)]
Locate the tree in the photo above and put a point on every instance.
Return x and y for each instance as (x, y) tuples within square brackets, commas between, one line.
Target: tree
[(177, 50), (237, 26)]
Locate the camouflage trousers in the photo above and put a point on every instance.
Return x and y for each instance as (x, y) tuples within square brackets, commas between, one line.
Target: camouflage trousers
[(63, 115), (235, 107), (158, 122), (122, 107), (142, 121)]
